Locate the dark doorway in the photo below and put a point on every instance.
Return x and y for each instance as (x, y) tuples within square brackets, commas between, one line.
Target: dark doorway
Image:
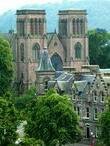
[(88, 132), (57, 62)]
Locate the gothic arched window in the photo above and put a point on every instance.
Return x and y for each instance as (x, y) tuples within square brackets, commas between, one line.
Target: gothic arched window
[(22, 52), (57, 62), (36, 52), (78, 48)]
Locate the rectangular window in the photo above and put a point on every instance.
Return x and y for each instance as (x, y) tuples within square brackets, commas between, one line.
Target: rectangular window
[(95, 96), (78, 110), (102, 96), (87, 112), (95, 113), (87, 132)]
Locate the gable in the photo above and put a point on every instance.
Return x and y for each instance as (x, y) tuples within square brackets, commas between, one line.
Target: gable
[(55, 45)]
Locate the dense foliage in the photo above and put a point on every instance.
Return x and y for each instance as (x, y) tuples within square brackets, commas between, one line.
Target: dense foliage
[(23, 100), (104, 125), (8, 123), (6, 66), (53, 120), (99, 48)]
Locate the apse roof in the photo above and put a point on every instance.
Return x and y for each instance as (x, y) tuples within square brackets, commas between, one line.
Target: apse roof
[(45, 62)]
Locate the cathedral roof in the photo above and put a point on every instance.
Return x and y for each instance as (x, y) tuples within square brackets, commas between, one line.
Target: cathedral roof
[(45, 62)]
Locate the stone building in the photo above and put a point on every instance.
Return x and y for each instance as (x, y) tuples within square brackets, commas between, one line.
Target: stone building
[(30, 39), (41, 59), (67, 49), (88, 93)]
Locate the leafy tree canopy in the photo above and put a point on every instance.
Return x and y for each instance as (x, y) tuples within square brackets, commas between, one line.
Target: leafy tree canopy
[(104, 124), (6, 66), (99, 47), (22, 101), (8, 123), (53, 120)]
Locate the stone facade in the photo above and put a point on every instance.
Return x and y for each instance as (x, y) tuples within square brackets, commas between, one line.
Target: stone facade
[(89, 96), (67, 48), (88, 92), (30, 39), (73, 35)]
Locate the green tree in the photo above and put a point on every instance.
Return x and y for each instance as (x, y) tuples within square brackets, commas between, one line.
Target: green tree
[(6, 66), (22, 101), (30, 142), (53, 120), (99, 47), (8, 123), (104, 125)]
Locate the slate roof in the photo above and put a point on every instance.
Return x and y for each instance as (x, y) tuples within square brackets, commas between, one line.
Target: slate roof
[(58, 73), (63, 82), (88, 78), (65, 77), (80, 85)]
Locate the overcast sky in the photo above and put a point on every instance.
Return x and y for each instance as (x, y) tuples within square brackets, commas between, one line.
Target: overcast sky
[(13, 4)]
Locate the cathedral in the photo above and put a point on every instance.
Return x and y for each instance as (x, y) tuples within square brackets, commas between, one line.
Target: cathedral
[(67, 49), (60, 60)]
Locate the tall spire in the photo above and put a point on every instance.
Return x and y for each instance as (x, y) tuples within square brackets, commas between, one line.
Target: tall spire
[(45, 62)]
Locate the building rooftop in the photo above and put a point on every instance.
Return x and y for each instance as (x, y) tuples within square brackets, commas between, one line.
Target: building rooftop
[(30, 11), (71, 12), (105, 70)]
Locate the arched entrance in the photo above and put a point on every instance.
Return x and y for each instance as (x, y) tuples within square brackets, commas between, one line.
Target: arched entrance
[(57, 62)]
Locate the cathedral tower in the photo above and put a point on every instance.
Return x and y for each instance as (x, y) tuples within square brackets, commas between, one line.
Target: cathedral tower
[(30, 39), (73, 34)]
